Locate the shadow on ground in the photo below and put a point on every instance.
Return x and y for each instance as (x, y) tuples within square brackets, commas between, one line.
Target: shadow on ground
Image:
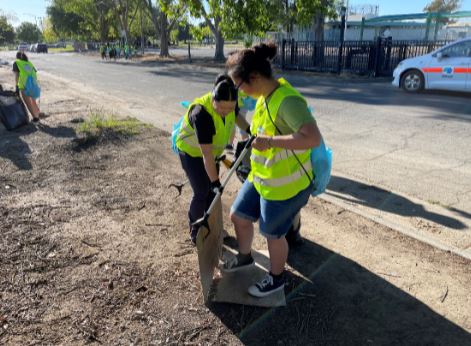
[(378, 198), (455, 105), (344, 304), (15, 149)]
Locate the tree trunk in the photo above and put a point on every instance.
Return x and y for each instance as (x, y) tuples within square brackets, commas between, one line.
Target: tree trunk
[(163, 35), (155, 20), (102, 28), (319, 21), (216, 30), (219, 54), (318, 52)]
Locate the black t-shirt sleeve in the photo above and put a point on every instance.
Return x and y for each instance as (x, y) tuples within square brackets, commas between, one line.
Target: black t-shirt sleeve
[(15, 67), (203, 124)]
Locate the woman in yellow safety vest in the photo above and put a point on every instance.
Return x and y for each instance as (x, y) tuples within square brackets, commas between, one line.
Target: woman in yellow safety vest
[(204, 133), (24, 70), (280, 181)]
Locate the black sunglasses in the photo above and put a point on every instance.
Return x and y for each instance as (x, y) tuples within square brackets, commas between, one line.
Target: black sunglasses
[(239, 85)]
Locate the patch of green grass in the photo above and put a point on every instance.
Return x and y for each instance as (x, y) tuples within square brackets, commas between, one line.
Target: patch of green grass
[(99, 125)]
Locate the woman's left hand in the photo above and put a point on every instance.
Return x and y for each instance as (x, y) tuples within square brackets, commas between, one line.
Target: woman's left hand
[(262, 143)]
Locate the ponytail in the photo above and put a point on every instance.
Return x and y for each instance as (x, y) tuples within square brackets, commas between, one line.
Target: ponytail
[(241, 64)]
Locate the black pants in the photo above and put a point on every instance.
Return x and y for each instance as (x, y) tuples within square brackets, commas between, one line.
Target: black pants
[(199, 181)]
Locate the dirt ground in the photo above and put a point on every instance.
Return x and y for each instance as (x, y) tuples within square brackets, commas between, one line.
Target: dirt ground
[(95, 249)]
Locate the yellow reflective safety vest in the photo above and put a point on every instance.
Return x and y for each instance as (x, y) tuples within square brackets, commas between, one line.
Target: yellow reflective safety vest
[(276, 173), (187, 140), (26, 69)]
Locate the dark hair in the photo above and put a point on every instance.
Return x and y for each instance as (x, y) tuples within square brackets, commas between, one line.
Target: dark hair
[(242, 63), (224, 89), (21, 55)]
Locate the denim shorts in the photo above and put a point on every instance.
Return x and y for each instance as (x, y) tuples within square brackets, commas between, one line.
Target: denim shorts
[(275, 217)]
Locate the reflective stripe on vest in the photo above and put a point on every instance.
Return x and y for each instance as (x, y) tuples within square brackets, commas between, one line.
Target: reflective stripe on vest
[(277, 173), (25, 69), (187, 140), (281, 155), (277, 182)]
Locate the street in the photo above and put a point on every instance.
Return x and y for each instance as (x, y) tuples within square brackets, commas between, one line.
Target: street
[(411, 151)]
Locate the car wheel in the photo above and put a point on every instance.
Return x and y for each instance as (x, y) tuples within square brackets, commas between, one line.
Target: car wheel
[(413, 81)]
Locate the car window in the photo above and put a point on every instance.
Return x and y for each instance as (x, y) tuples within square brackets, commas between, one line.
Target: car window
[(458, 50)]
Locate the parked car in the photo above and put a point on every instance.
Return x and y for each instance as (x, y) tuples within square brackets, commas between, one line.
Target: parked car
[(41, 48), (23, 46), (447, 68)]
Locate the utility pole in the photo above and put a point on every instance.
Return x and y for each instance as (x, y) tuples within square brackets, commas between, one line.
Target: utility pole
[(343, 11), (142, 31)]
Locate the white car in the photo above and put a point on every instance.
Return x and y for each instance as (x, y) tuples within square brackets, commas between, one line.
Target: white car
[(447, 68), (23, 47)]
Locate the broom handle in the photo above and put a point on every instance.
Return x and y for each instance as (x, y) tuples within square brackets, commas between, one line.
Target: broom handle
[(228, 176)]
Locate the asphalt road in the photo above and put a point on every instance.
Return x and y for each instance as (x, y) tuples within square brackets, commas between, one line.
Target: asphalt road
[(411, 147)]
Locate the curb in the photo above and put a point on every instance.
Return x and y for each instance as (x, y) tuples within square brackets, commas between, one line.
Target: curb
[(406, 231)]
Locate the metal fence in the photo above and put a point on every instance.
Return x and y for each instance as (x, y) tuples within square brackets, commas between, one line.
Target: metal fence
[(375, 58)]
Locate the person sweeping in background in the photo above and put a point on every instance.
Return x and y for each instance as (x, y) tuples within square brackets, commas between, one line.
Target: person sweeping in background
[(203, 134), (280, 180), (27, 84)]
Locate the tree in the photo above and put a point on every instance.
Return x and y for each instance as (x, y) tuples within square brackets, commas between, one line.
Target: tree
[(165, 15), (443, 6), (7, 33), (200, 32), (29, 32), (315, 12), (213, 19), (48, 33), (64, 22), (251, 17)]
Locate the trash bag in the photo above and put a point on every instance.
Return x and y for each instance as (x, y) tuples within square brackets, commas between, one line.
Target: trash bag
[(175, 131), (321, 159), (13, 112), (32, 88)]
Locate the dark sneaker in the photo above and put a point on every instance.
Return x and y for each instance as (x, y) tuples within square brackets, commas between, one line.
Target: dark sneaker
[(235, 263), (268, 285), (193, 235), (229, 147), (35, 120), (293, 237)]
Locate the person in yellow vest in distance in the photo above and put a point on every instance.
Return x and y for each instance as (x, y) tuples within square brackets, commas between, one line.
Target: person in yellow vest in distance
[(202, 137), (26, 79), (280, 181)]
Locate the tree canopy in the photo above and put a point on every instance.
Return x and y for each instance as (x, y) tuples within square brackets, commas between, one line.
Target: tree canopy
[(443, 6), (29, 32), (7, 32)]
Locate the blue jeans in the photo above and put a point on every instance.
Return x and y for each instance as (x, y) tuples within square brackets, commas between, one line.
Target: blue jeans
[(275, 217)]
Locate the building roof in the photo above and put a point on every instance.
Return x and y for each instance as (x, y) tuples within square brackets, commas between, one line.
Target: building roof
[(399, 17)]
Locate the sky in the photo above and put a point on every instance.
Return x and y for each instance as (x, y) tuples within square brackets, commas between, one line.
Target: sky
[(33, 10)]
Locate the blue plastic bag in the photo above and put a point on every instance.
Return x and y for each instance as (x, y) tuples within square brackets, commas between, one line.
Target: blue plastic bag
[(321, 159), (176, 127), (248, 103), (175, 131), (32, 88)]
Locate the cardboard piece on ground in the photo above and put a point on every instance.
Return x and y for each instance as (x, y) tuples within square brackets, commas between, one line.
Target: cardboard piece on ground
[(231, 287), (209, 247)]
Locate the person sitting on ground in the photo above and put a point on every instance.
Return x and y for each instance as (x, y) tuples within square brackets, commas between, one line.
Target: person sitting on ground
[(202, 137), (27, 84)]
